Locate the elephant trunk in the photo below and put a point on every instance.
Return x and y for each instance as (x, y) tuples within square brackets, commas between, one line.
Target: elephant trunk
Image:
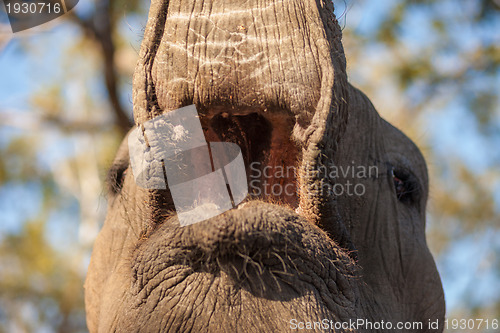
[(242, 54), (278, 59)]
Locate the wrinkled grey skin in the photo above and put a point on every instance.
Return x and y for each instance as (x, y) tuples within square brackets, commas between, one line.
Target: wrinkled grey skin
[(261, 266)]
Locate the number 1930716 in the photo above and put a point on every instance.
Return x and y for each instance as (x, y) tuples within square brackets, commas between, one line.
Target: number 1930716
[(471, 324), (35, 7)]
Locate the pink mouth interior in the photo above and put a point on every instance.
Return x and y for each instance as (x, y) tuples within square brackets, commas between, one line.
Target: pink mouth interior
[(264, 136)]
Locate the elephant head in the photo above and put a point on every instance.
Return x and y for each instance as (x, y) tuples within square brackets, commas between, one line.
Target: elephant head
[(343, 250)]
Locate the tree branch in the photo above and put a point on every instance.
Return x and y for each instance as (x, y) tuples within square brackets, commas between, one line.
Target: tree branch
[(102, 33), (16, 119)]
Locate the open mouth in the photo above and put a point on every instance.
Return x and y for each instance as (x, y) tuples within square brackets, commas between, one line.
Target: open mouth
[(200, 188), (264, 137)]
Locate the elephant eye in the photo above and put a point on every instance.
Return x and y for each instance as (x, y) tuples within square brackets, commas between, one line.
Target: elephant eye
[(116, 176), (405, 185)]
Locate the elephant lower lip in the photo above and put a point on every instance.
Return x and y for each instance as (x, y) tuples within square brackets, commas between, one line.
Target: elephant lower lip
[(255, 239), (264, 136)]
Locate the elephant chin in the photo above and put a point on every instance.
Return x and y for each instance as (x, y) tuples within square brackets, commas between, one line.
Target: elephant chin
[(257, 257)]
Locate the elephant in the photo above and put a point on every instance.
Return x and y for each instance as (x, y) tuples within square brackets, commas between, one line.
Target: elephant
[(343, 249)]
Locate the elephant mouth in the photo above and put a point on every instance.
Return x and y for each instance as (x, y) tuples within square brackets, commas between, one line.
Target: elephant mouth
[(274, 163), (263, 244), (264, 136)]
